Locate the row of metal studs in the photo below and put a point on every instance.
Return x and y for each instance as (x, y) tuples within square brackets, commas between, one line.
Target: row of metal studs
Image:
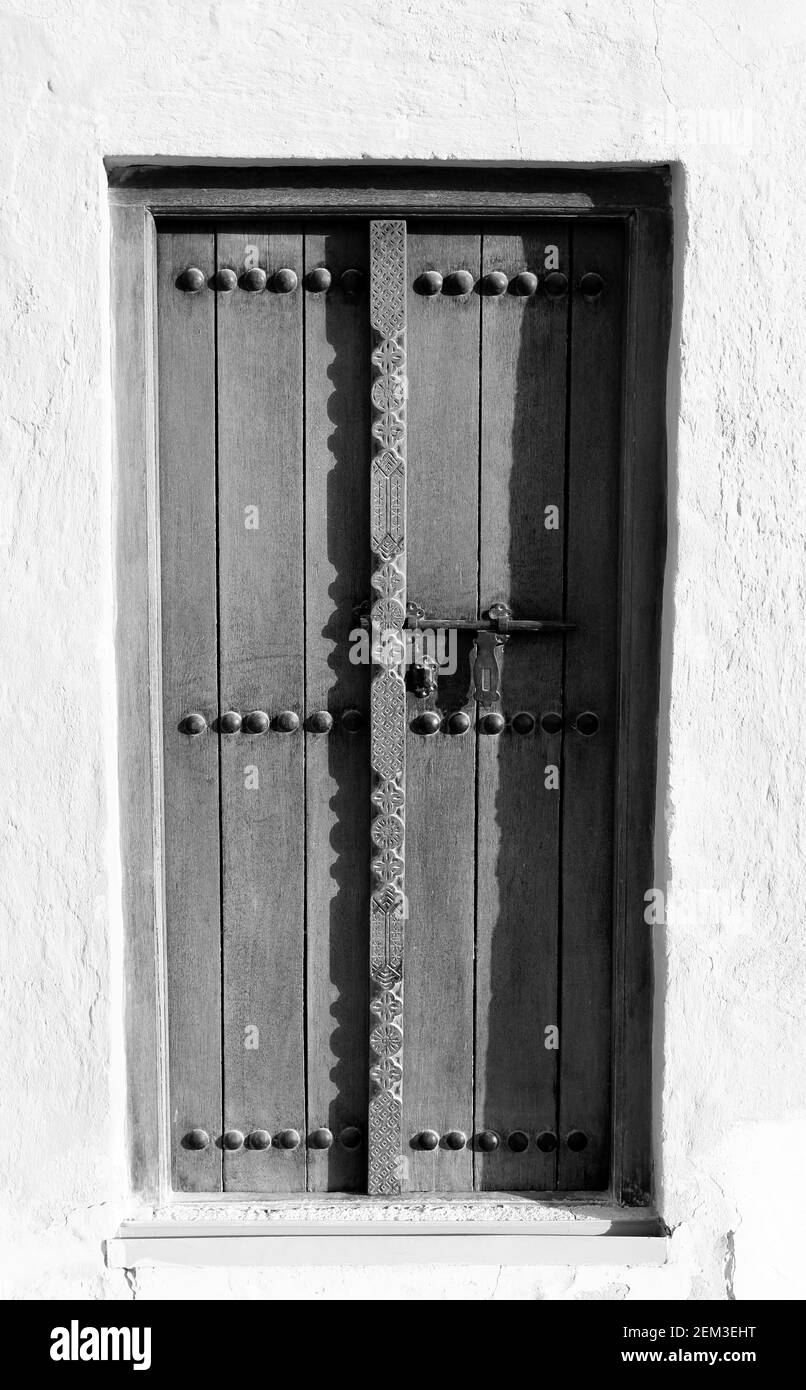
[(488, 1141), (261, 1139), (258, 722), (430, 722), (497, 282), (256, 279)]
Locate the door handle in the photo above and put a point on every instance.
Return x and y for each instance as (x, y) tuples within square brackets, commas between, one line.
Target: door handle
[(500, 620)]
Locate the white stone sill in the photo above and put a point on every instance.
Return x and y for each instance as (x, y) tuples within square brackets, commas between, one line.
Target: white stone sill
[(372, 1232)]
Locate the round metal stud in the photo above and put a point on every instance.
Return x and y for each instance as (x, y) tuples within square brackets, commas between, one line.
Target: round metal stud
[(255, 278), (587, 723), (194, 723), (192, 280), (231, 722), (591, 285), (284, 281), (517, 1141), (287, 722), (494, 283), (350, 1137), (318, 280), (427, 723), (258, 1139), (352, 720), (321, 1139), (197, 1139), (577, 1141), (288, 1139), (226, 279), (233, 1139), (429, 283), (523, 722), (555, 284), (493, 723), (458, 282), (427, 1139), (488, 1141), (546, 1142), (551, 723), (459, 722), (352, 282), (320, 722), (524, 283), (455, 1139), (257, 722)]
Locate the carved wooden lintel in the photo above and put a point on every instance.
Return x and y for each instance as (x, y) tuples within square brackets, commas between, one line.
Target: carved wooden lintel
[(387, 701)]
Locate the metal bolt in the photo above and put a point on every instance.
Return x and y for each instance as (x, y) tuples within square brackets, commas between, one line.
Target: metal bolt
[(321, 722), (256, 721), (429, 283), (493, 723), (226, 279), (591, 285), (233, 1139), (284, 281), (459, 722), (321, 1139), (197, 1139), (231, 721), (458, 282), (495, 283), (192, 280), (287, 721), (427, 1139), (318, 280), (488, 1141), (427, 723), (255, 278), (525, 283), (259, 1139), (352, 720), (194, 723), (555, 284), (523, 722), (288, 1139)]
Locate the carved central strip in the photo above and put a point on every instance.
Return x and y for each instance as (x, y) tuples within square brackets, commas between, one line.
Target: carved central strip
[(388, 702)]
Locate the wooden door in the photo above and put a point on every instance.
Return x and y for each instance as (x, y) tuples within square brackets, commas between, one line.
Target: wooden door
[(389, 888)]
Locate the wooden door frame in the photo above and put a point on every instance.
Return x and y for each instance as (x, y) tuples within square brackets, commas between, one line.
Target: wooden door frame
[(141, 196)]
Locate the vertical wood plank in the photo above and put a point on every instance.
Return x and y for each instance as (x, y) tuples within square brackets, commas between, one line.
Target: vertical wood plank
[(443, 578), (186, 356), (590, 685), (337, 561), (387, 701), (524, 350), (260, 529)]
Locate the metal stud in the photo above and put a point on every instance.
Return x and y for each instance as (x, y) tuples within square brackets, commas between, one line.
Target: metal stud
[(284, 281), (517, 1141), (350, 1137), (523, 722), (196, 1139), (493, 723), (455, 1139), (551, 723), (546, 1141), (429, 283), (258, 1139), (257, 722), (320, 722), (194, 724), (321, 1139), (192, 280), (231, 721), (458, 282), (427, 1139), (427, 723), (586, 723), (555, 284), (524, 284), (287, 722), (494, 283), (318, 280), (288, 1139), (488, 1141), (459, 722), (255, 278), (352, 282), (352, 720), (577, 1141), (226, 279), (233, 1139), (591, 285)]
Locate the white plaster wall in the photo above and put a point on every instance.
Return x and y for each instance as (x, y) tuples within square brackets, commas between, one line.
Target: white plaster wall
[(715, 85)]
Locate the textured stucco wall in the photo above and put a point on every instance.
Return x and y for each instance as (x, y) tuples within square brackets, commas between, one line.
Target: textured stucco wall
[(714, 85)]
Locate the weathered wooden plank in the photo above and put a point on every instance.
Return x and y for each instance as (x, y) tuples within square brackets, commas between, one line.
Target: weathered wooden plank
[(443, 578), (524, 351), (337, 566), (186, 356), (643, 551), (387, 496), (260, 531), (592, 539)]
